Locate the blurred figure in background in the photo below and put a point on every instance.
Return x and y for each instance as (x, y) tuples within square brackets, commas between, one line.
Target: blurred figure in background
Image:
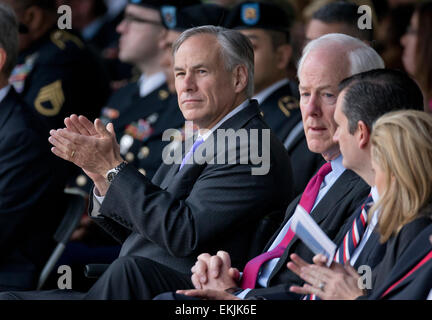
[(392, 27), (417, 54), (337, 17), (56, 73), (267, 26), (31, 184), (98, 28)]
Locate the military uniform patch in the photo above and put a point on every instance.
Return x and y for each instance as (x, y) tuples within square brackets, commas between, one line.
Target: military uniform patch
[(163, 94), (20, 72), (50, 99), (250, 13), (169, 15), (110, 113), (61, 37), (286, 104), (139, 130)]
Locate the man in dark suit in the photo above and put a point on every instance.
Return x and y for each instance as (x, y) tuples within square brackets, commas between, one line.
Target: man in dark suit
[(189, 205), (31, 188), (363, 99), (267, 26), (319, 91)]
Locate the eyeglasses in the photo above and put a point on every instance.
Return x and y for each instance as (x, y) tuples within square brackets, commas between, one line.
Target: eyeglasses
[(130, 18)]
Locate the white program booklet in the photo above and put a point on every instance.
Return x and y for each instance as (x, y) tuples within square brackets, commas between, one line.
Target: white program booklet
[(311, 234)]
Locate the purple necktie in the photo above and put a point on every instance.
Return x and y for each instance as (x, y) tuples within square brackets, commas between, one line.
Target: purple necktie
[(196, 144), (250, 272)]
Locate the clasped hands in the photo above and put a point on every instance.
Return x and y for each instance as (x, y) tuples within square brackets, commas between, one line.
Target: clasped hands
[(91, 146), (212, 275)]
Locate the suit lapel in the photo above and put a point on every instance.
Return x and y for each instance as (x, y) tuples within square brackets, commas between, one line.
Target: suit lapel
[(235, 122), (326, 206), (334, 196)]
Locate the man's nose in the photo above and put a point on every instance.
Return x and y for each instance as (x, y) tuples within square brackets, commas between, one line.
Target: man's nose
[(189, 82), (313, 107)]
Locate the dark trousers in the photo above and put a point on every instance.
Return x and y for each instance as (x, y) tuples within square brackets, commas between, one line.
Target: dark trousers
[(127, 278)]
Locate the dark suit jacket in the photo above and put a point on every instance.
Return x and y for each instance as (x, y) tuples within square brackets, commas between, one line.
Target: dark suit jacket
[(31, 190), (202, 208), (345, 196), (404, 251)]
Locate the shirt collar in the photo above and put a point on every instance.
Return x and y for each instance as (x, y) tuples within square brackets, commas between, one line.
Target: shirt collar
[(4, 92), (374, 193), (236, 110), (337, 167), (148, 84), (261, 96)]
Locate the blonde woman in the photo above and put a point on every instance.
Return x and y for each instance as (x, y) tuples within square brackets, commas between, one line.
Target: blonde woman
[(402, 160)]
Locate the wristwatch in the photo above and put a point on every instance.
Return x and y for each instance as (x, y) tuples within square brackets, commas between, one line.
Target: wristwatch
[(110, 175)]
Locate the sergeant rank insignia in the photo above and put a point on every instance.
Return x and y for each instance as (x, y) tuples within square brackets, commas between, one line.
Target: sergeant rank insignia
[(50, 99)]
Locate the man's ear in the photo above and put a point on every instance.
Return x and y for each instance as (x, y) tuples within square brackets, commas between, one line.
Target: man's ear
[(3, 57), (240, 78), (34, 19), (283, 56), (363, 134)]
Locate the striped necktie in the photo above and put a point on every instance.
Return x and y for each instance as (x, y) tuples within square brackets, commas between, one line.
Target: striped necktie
[(352, 237), (251, 270)]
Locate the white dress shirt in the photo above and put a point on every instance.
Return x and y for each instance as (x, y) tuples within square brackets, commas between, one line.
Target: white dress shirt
[(267, 267), (147, 84)]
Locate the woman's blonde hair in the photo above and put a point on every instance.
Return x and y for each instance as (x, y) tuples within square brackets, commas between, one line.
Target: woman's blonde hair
[(402, 148)]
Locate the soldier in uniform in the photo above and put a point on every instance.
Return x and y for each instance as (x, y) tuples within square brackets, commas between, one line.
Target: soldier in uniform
[(268, 28), (142, 110), (56, 73), (31, 188)]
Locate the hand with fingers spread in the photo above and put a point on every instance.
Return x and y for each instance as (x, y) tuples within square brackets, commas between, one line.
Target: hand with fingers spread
[(96, 151), (339, 282), (214, 272)]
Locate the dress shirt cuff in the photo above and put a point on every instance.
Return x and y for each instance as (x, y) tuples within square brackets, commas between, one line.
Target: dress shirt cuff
[(100, 199), (242, 294)]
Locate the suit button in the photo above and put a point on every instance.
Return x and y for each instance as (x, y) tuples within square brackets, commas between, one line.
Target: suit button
[(144, 153), (142, 171)]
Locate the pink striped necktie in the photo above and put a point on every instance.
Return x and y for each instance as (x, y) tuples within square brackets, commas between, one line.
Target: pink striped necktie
[(251, 270)]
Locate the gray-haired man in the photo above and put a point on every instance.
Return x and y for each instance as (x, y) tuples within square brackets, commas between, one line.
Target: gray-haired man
[(166, 222)]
